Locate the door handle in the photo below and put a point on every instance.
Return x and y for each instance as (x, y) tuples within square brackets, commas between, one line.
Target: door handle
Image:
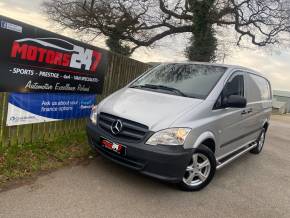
[(244, 112), (247, 111)]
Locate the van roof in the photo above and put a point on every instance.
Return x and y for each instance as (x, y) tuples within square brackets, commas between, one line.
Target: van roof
[(216, 64)]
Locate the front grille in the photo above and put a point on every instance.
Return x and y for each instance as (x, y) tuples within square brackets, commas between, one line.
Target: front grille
[(131, 130)]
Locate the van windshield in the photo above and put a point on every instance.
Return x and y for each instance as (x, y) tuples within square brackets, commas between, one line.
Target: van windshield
[(188, 80)]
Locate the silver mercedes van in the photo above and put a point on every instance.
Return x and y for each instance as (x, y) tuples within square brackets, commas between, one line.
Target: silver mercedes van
[(180, 122)]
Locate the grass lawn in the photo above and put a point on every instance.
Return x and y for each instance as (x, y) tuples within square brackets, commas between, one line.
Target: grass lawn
[(24, 161)]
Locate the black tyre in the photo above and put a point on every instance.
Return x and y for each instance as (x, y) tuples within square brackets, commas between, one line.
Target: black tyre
[(260, 142), (200, 170)]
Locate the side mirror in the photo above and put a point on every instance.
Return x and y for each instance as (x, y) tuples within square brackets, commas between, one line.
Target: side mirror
[(235, 101)]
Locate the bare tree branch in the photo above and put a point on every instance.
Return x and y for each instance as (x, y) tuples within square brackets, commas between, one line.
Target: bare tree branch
[(143, 22)]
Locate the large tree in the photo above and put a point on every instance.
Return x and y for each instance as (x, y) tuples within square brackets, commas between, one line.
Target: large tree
[(130, 24)]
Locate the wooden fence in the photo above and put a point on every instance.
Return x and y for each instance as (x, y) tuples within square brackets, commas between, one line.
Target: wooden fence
[(121, 70)]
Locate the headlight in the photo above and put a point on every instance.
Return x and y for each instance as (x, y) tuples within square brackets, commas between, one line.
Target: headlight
[(173, 136), (93, 116)]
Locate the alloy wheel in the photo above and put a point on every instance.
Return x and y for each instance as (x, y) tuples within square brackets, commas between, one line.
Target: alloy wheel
[(198, 170), (261, 141)]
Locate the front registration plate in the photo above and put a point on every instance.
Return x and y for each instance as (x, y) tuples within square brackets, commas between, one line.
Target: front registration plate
[(115, 147)]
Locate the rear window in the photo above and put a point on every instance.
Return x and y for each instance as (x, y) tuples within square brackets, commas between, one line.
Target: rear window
[(194, 80)]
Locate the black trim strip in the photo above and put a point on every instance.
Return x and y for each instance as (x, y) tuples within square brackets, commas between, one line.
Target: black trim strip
[(240, 137)]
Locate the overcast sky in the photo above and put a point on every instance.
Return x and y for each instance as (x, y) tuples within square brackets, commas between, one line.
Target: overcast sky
[(274, 65)]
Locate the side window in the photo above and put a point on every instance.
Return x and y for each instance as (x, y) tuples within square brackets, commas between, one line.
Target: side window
[(260, 88), (265, 89), (234, 86)]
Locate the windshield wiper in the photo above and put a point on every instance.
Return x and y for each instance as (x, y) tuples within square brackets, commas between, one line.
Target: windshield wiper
[(145, 86), (171, 89)]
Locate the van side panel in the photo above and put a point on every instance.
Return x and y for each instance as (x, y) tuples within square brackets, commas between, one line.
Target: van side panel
[(259, 98)]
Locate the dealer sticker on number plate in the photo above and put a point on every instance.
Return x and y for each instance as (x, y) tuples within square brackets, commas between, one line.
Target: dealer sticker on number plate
[(118, 148)]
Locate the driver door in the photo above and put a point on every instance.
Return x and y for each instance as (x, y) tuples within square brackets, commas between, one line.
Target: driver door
[(231, 125)]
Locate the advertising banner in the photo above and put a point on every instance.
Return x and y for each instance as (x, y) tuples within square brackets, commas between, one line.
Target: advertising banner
[(28, 108), (35, 60)]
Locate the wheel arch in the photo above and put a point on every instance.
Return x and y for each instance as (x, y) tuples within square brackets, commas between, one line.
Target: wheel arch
[(209, 143), (266, 125), (207, 139)]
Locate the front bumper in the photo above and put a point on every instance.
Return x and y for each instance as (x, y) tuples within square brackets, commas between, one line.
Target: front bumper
[(162, 162)]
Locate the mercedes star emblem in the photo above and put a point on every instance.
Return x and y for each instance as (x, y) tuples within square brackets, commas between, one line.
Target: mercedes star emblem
[(116, 127)]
